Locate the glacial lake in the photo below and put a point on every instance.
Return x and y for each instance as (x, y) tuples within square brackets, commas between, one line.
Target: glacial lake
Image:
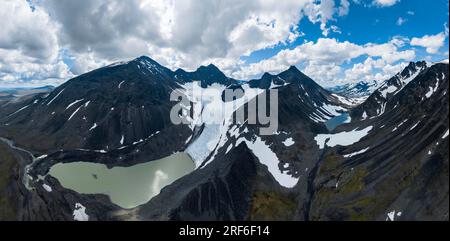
[(127, 187), (334, 122)]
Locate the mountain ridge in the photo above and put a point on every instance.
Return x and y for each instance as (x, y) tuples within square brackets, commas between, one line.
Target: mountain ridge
[(118, 116)]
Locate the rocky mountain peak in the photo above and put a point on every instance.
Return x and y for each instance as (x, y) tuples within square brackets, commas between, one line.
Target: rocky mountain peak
[(267, 75), (210, 70), (292, 68)]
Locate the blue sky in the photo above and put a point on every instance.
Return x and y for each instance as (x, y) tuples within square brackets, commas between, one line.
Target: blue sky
[(367, 23), (377, 25), (333, 41)]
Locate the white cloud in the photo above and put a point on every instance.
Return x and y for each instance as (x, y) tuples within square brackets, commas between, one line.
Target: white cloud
[(385, 3), (84, 62), (324, 57), (401, 21), (182, 33), (325, 50), (344, 8), (399, 41), (325, 11), (322, 73), (432, 43), (29, 49), (372, 69), (176, 33), (191, 31), (29, 32)]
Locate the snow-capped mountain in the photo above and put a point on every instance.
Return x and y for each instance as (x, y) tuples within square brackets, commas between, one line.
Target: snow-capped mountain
[(319, 104), (375, 104), (207, 75), (397, 167), (20, 94), (356, 90), (106, 109), (118, 115), (363, 170)]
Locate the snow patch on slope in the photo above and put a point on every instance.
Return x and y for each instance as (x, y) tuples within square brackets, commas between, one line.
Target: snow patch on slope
[(47, 187), (268, 158), (19, 110), (398, 126), (432, 90), (209, 111), (93, 127), (79, 214), (120, 84), (54, 98), (73, 103), (356, 153), (289, 142), (389, 90), (349, 101), (391, 215), (74, 113), (341, 138)]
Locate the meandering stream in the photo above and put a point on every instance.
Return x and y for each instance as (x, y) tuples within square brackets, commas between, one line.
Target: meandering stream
[(26, 178)]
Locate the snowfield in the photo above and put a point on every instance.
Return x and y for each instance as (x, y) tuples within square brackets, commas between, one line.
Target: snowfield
[(74, 103), (209, 110), (79, 213), (356, 153), (342, 138), (289, 142), (268, 158), (432, 90), (54, 98), (350, 101), (389, 90), (93, 127), (47, 188), (19, 110), (391, 215)]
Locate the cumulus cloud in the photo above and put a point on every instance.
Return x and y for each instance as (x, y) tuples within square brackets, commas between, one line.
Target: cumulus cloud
[(322, 73), (325, 11), (372, 69), (38, 35), (109, 29), (432, 43), (401, 21), (344, 8), (37, 41), (30, 32), (29, 49), (325, 50), (324, 56), (385, 3), (176, 33), (193, 31)]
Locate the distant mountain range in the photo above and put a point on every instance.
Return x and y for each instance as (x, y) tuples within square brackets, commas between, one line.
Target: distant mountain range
[(8, 94), (360, 89), (387, 159)]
